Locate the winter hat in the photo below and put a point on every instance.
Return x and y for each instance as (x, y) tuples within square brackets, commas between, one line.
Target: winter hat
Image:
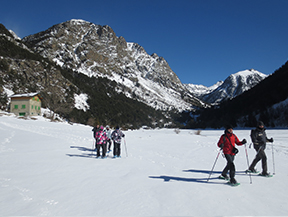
[(117, 127), (101, 127), (107, 127), (229, 126), (260, 123)]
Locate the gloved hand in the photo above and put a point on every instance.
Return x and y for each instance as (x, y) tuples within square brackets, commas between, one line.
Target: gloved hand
[(221, 146), (270, 140), (244, 141)]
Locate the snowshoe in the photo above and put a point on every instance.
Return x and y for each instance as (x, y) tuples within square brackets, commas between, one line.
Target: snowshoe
[(233, 182), (266, 175), (252, 171), (225, 177)]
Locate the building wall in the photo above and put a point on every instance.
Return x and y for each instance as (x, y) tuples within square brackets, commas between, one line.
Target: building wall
[(26, 106), (35, 106)]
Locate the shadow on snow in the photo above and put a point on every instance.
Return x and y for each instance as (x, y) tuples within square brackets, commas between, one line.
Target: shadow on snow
[(199, 180), (84, 149)]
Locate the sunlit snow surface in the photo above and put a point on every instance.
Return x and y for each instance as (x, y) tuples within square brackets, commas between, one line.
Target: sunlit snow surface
[(48, 168)]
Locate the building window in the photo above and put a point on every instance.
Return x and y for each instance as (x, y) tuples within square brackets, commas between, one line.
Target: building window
[(23, 106), (15, 106), (31, 106)]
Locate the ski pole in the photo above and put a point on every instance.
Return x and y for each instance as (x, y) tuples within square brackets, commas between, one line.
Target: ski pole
[(214, 165), (273, 159), (125, 147), (248, 163)]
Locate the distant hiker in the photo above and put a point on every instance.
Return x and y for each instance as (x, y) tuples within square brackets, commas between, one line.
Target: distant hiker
[(227, 142), (259, 139), (95, 130), (116, 137), (108, 132), (101, 141)]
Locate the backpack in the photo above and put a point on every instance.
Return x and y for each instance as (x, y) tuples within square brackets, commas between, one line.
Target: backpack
[(234, 150)]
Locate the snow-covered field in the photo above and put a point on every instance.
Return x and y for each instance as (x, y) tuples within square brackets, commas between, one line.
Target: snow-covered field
[(48, 168)]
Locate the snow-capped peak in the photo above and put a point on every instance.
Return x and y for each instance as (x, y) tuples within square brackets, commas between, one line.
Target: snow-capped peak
[(233, 86), (249, 72)]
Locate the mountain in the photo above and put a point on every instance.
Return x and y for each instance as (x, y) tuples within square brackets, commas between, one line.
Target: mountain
[(22, 70), (96, 51), (232, 86), (200, 90), (266, 101), (89, 75)]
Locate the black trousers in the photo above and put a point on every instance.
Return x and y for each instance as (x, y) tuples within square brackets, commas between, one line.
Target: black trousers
[(230, 166), (259, 156), (109, 146), (117, 149), (104, 148)]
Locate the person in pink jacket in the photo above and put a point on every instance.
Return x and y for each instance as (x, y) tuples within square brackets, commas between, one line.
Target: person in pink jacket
[(101, 141)]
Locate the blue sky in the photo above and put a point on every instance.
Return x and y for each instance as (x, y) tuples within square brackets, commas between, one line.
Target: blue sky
[(203, 41)]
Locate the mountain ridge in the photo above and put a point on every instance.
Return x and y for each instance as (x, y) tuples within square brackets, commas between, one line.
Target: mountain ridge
[(95, 50), (83, 50)]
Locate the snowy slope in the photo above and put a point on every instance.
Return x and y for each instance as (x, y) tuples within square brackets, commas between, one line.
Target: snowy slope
[(234, 85), (48, 168), (96, 51), (199, 90)]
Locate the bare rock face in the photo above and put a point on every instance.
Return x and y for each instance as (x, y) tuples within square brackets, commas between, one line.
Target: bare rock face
[(95, 50)]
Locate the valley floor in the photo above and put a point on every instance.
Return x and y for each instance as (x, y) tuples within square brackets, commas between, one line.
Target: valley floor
[(49, 168)]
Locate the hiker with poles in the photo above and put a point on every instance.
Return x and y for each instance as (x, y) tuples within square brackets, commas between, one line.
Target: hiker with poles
[(259, 139), (227, 143), (101, 142), (116, 136), (95, 130), (109, 142)]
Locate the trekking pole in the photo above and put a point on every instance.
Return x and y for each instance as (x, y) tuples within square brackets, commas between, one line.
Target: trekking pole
[(125, 147), (248, 163), (92, 147), (214, 164), (273, 159)]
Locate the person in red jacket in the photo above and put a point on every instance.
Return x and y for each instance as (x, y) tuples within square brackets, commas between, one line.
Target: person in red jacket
[(227, 142)]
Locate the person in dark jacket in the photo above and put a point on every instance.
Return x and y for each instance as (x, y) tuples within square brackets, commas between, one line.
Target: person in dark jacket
[(227, 142), (259, 139), (95, 130)]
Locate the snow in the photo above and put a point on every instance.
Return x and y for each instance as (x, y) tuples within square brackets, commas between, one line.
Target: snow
[(248, 72), (81, 101), (199, 89), (24, 95), (48, 168)]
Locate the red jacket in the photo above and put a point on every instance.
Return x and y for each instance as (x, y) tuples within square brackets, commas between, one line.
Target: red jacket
[(224, 139)]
